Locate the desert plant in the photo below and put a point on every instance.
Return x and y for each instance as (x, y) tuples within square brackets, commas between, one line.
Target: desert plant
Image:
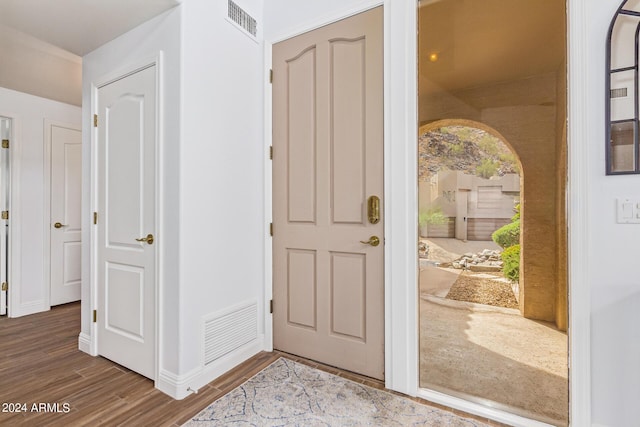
[(507, 235), (511, 262), (487, 169), (433, 216)]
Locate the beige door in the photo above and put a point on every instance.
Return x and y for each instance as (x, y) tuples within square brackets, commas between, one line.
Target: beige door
[(66, 192), (328, 287), (126, 221)]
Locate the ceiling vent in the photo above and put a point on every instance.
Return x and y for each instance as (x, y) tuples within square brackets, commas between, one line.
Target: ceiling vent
[(619, 93), (242, 19)]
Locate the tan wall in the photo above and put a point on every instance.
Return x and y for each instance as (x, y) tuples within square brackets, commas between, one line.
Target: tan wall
[(562, 314), (525, 114)]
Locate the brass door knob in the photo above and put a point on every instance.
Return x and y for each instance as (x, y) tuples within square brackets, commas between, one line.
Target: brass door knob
[(58, 225), (373, 241), (148, 239)]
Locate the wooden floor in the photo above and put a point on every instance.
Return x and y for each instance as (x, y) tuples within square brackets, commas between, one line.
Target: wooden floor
[(40, 364)]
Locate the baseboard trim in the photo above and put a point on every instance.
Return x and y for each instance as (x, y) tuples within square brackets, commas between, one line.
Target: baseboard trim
[(181, 386), (84, 343)]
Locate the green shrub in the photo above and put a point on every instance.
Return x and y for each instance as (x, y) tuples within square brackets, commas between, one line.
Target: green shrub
[(516, 217), (507, 235), (487, 169), (511, 259), (432, 216)]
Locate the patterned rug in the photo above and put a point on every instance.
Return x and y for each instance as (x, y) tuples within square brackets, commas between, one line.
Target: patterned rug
[(288, 394)]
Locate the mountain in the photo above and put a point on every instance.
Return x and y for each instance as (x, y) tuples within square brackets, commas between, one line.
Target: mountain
[(466, 149)]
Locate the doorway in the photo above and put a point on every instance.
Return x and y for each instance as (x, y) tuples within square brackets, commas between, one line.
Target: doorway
[(63, 180), (126, 220), (502, 65), (328, 229), (6, 136)]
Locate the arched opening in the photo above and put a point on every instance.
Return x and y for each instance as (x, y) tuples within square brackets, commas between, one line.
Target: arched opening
[(469, 184)]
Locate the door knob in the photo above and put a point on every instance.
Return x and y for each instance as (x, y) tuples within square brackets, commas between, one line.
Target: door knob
[(148, 239), (58, 225), (373, 241)]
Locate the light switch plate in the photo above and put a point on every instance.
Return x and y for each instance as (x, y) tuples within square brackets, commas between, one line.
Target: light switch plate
[(628, 211)]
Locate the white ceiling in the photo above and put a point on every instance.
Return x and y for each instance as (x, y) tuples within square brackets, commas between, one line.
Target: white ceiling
[(79, 26)]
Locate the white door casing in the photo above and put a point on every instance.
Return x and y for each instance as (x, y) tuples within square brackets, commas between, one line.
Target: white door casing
[(5, 135), (64, 225), (126, 294)]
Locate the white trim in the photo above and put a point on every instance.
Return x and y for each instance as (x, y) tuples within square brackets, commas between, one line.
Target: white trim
[(131, 68), (321, 21), (578, 218), (15, 308), (478, 409), (401, 197), (46, 215), (268, 199), (84, 344), (181, 386)]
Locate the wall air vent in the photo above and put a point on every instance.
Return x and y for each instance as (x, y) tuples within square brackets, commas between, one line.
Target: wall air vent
[(242, 19), (226, 332), (618, 93)]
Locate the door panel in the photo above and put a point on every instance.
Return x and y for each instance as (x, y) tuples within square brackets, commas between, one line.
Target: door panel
[(328, 159), (66, 193), (302, 168), (302, 288), (126, 203)]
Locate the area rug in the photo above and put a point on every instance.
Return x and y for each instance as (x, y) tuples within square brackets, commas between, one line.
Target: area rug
[(290, 394)]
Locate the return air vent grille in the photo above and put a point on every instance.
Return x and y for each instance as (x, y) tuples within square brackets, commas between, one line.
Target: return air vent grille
[(242, 18), (619, 93), (225, 333)]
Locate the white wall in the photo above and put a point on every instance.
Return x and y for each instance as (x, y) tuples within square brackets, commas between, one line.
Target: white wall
[(33, 66), (28, 291), (613, 252), (221, 180), (161, 34)]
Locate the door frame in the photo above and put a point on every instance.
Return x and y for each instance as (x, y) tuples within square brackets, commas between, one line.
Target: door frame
[(14, 308), (401, 352), (46, 224), (90, 344), (401, 205)]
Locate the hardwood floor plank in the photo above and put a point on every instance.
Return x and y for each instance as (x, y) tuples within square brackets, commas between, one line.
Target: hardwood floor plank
[(40, 363)]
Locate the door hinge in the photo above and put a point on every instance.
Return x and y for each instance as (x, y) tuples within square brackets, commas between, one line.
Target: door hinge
[(271, 76), (95, 120), (95, 316), (271, 306), (270, 229), (271, 152), (5, 214), (5, 286), (5, 143), (95, 217)]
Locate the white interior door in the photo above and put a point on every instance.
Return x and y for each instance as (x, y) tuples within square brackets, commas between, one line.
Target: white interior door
[(5, 135), (126, 221), (66, 193), (328, 241)]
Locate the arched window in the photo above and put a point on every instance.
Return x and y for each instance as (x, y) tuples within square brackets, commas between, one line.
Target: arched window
[(623, 153)]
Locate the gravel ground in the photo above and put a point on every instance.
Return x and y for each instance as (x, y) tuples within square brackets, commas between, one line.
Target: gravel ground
[(482, 290)]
